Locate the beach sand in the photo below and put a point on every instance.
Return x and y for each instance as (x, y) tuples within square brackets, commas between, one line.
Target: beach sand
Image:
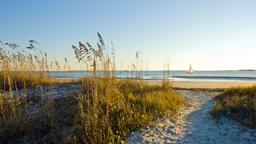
[(205, 84), (183, 84), (212, 85)]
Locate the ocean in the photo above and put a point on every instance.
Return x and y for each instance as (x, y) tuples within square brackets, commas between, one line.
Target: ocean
[(241, 76)]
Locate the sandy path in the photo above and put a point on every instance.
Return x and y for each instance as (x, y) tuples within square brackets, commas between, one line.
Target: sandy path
[(194, 126)]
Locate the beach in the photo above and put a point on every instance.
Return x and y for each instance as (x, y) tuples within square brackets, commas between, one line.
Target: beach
[(184, 84), (211, 85), (179, 79), (192, 123), (204, 84)]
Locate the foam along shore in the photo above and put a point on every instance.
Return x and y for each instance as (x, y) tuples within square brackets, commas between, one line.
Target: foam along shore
[(205, 84)]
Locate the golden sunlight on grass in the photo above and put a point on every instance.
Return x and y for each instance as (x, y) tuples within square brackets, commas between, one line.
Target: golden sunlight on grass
[(97, 110), (237, 103)]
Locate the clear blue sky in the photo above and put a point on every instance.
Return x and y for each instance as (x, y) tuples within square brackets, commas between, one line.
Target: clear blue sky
[(209, 34)]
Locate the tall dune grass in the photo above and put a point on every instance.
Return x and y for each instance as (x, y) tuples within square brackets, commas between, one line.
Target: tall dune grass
[(104, 110), (108, 108), (113, 109), (22, 68)]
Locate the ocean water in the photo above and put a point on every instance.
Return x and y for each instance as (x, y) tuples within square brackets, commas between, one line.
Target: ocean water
[(241, 76)]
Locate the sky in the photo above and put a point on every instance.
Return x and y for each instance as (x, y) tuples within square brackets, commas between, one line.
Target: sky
[(209, 34)]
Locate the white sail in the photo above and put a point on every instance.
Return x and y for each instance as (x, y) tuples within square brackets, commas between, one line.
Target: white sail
[(190, 70)]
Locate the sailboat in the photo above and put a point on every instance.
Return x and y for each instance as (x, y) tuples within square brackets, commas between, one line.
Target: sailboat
[(190, 70)]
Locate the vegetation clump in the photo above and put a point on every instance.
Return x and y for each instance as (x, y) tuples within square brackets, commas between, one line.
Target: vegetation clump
[(121, 106), (237, 103)]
